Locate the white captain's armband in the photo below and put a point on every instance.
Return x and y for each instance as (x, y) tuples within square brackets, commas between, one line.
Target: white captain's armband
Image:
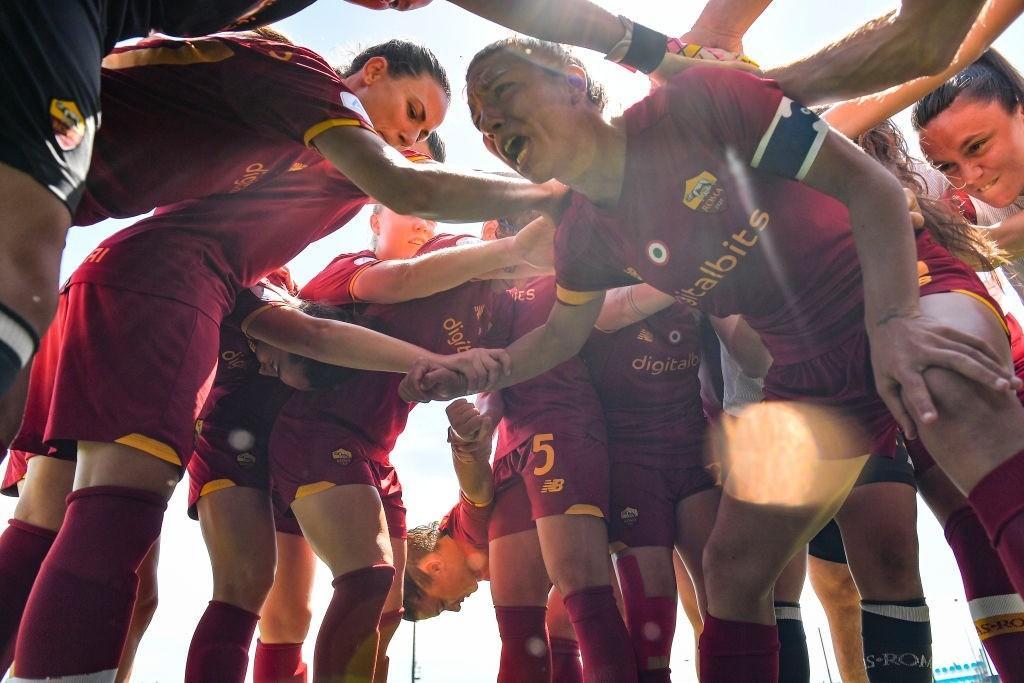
[(791, 143)]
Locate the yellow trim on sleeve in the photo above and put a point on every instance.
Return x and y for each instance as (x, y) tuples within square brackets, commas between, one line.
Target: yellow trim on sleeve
[(252, 316), (216, 485), (995, 311), (355, 276), (318, 128), (585, 509), (311, 489), (158, 449), (189, 52), (571, 298)]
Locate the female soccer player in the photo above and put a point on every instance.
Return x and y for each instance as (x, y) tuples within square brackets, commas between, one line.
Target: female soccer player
[(731, 152)]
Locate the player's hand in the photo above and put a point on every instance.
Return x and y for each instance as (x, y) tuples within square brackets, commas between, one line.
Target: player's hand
[(712, 40), (557, 201), (914, 207), (675, 61), (427, 381), (481, 368), (405, 5), (372, 4), (471, 432), (535, 244), (904, 346)]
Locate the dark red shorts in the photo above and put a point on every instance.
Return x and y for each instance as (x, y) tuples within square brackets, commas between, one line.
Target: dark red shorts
[(17, 466), (560, 474), (134, 369), (226, 457), (842, 378), (310, 456), (644, 499)]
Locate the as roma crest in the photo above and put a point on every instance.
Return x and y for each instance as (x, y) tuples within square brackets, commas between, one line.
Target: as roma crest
[(704, 193)]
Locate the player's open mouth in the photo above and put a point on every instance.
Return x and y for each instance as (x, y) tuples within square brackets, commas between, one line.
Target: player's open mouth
[(514, 149), (988, 185)]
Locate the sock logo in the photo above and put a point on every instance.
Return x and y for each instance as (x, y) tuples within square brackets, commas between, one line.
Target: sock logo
[(999, 625), (909, 660)]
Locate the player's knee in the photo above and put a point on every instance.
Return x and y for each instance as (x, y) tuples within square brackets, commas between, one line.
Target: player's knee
[(729, 569), (246, 585), (285, 623)]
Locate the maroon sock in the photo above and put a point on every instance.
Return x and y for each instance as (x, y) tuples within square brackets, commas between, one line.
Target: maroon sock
[(996, 608), (278, 663), (651, 622), (604, 641), (565, 661), (525, 654), (733, 651), (23, 548), (219, 652), (347, 642), (999, 501), (87, 583)]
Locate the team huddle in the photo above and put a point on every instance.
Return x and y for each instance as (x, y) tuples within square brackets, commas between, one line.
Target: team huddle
[(716, 344)]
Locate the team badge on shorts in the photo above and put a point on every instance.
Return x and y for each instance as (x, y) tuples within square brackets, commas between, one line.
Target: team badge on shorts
[(246, 459), (629, 517), (68, 124), (704, 193), (342, 456)]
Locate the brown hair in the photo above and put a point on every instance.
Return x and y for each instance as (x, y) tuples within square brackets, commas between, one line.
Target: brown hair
[(422, 540), (886, 145)]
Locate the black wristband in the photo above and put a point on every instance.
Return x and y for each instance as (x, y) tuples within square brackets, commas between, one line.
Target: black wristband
[(646, 50)]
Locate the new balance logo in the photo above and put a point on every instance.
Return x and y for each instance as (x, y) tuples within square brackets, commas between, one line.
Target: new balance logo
[(552, 485), (645, 335)]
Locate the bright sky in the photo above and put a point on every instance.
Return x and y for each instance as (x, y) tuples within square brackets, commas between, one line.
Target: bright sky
[(464, 647)]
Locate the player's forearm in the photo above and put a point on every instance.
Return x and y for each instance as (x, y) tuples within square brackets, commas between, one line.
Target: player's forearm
[(884, 237), (476, 481), (920, 40), (723, 23), (353, 346), (624, 306), (743, 344), (857, 116), (516, 272), (538, 351), (405, 279), (441, 193), (574, 22)]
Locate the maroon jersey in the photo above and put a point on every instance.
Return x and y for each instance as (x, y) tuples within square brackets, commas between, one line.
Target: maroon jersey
[(560, 400), (237, 367), (646, 377), (368, 405), (191, 118), (467, 524), (710, 213), (203, 251)]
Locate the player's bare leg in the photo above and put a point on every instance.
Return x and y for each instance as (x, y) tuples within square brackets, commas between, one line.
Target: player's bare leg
[(574, 547), (838, 594), (238, 528), (879, 526), (142, 614), (286, 614), (648, 584), (33, 226), (978, 438), (360, 558), (688, 600), (391, 617)]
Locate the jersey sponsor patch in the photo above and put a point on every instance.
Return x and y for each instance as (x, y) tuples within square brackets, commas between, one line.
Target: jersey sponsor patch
[(353, 103), (792, 141)]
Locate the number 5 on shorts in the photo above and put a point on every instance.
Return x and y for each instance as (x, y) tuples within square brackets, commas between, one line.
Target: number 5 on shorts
[(541, 445)]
